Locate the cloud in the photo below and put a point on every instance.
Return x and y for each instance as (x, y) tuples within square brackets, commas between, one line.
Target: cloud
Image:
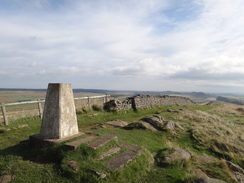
[(168, 40)]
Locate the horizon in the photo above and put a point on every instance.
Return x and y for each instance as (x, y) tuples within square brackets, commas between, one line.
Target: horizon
[(97, 89), (157, 45)]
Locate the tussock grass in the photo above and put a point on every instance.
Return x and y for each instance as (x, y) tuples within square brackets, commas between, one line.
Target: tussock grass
[(210, 133)]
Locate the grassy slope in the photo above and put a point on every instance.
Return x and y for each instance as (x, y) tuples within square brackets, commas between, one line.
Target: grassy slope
[(48, 164)]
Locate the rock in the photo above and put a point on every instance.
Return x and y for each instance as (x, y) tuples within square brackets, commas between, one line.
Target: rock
[(73, 165), (216, 133), (148, 126), (92, 115), (171, 155), (209, 180), (22, 126), (155, 121), (173, 126), (118, 123), (200, 174), (100, 175), (169, 110), (237, 171), (170, 125), (203, 159), (227, 147), (240, 109), (6, 178), (140, 125), (234, 167), (239, 176)]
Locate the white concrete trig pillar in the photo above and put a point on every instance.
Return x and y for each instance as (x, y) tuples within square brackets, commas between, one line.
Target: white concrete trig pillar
[(59, 115)]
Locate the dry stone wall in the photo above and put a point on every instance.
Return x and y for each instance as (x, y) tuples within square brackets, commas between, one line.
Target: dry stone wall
[(146, 101)]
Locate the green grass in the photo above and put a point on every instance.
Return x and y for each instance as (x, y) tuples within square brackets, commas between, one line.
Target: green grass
[(30, 163)]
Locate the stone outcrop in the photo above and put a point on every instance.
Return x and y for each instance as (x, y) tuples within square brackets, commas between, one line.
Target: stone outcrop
[(146, 101), (169, 156), (156, 121)]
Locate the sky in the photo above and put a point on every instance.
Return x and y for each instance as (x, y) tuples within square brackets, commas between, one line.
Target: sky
[(151, 45)]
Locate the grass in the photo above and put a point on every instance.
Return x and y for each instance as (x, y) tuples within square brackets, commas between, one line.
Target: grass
[(30, 163)]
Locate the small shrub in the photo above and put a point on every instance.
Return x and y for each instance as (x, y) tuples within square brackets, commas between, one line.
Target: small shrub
[(85, 109), (96, 107), (79, 111)]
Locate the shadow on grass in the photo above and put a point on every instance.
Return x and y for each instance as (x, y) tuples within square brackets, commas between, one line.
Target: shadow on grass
[(35, 153)]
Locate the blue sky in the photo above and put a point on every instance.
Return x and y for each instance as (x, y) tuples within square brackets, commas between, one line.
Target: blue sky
[(181, 45)]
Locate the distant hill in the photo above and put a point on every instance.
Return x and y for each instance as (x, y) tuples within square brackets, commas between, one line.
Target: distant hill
[(230, 100)]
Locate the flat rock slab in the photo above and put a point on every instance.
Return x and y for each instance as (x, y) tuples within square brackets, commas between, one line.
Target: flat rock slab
[(76, 143), (102, 141), (131, 147), (117, 123), (109, 153), (121, 160)]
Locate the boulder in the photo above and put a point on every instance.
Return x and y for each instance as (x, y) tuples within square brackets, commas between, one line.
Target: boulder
[(170, 156), (156, 121), (148, 126), (170, 125)]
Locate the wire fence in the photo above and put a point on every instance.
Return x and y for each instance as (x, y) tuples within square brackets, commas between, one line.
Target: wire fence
[(17, 110)]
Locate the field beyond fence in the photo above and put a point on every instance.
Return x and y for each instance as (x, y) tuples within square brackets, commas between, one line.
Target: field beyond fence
[(13, 111)]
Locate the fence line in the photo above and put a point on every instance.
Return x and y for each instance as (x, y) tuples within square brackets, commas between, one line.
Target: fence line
[(40, 108)]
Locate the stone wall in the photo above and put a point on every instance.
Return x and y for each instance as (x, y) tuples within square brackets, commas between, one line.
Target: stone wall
[(118, 105), (149, 101), (146, 101)]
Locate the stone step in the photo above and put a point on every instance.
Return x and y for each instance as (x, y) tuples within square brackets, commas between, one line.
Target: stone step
[(121, 160), (131, 147), (109, 153), (76, 143), (102, 141)]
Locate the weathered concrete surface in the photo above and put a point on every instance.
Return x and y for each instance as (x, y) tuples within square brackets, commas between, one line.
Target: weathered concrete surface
[(76, 143), (102, 141), (121, 160), (131, 147), (39, 140), (109, 153), (59, 116)]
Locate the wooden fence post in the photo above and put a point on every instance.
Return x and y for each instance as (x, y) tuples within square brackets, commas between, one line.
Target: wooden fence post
[(4, 114), (107, 97), (104, 99), (88, 102), (40, 108)]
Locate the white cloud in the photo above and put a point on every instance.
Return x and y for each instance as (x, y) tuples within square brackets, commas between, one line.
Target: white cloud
[(139, 39)]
